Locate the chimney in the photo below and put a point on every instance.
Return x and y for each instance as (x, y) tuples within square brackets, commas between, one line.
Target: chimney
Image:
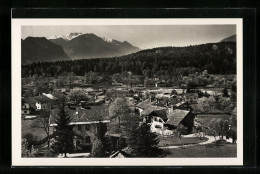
[(170, 109)]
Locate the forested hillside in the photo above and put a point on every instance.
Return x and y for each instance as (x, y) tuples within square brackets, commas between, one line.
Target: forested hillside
[(217, 58)]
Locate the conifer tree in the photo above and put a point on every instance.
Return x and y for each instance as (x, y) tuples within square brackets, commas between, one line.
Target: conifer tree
[(143, 142), (63, 132), (225, 92)]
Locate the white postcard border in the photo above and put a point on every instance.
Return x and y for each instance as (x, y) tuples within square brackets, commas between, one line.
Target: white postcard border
[(17, 160)]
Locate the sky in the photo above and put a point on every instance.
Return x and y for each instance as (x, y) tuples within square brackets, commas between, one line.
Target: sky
[(142, 36)]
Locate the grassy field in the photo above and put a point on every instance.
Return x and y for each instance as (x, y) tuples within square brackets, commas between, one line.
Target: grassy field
[(37, 132), (200, 151), (172, 141)]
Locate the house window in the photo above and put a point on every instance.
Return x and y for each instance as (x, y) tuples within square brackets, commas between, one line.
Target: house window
[(79, 127), (87, 140), (87, 127), (77, 142), (25, 112)]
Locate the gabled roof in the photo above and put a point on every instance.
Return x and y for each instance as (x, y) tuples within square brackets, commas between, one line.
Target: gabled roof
[(42, 99), (31, 101), (176, 116), (145, 104), (50, 96), (150, 108), (160, 113), (85, 116)]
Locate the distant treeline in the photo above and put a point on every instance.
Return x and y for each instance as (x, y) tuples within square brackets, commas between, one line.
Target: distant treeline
[(217, 58)]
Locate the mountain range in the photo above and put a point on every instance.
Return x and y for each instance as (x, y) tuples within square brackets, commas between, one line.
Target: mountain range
[(37, 49), (78, 46), (72, 46)]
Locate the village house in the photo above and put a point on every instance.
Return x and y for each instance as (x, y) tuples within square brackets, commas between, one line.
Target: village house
[(191, 97), (85, 123), (184, 117), (142, 105), (160, 84), (165, 119), (42, 102), (28, 105)]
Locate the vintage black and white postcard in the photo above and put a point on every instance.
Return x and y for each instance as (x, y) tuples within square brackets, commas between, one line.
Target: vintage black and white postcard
[(127, 92)]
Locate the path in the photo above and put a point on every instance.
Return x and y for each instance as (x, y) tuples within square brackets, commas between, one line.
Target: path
[(74, 155), (211, 139)]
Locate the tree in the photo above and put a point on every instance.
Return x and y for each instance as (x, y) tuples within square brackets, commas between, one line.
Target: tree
[(234, 88), (119, 109), (225, 104), (63, 132), (181, 130), (99, 143), (42, 122), (29, 138), (92, 77), (97, 148), (206, 104), (78, 96), (143, 142), (27, 150), (188, 88), (225, 92), (174, 92), (222, 127)]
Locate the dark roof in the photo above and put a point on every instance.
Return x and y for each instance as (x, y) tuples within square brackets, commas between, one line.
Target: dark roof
[(176, 116), (96, 113), (160, 113), (42, 99), (30, 100)]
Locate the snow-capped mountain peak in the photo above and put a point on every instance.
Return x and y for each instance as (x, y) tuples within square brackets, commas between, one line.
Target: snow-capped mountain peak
[(57, 36), (107, 39), (72, 35), (66, 37)]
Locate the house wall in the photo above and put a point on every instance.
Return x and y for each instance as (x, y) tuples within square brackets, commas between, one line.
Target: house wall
[(25, 106), (26, 109), (40, 106), (139, 110), (191, 99), (86, 131)]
